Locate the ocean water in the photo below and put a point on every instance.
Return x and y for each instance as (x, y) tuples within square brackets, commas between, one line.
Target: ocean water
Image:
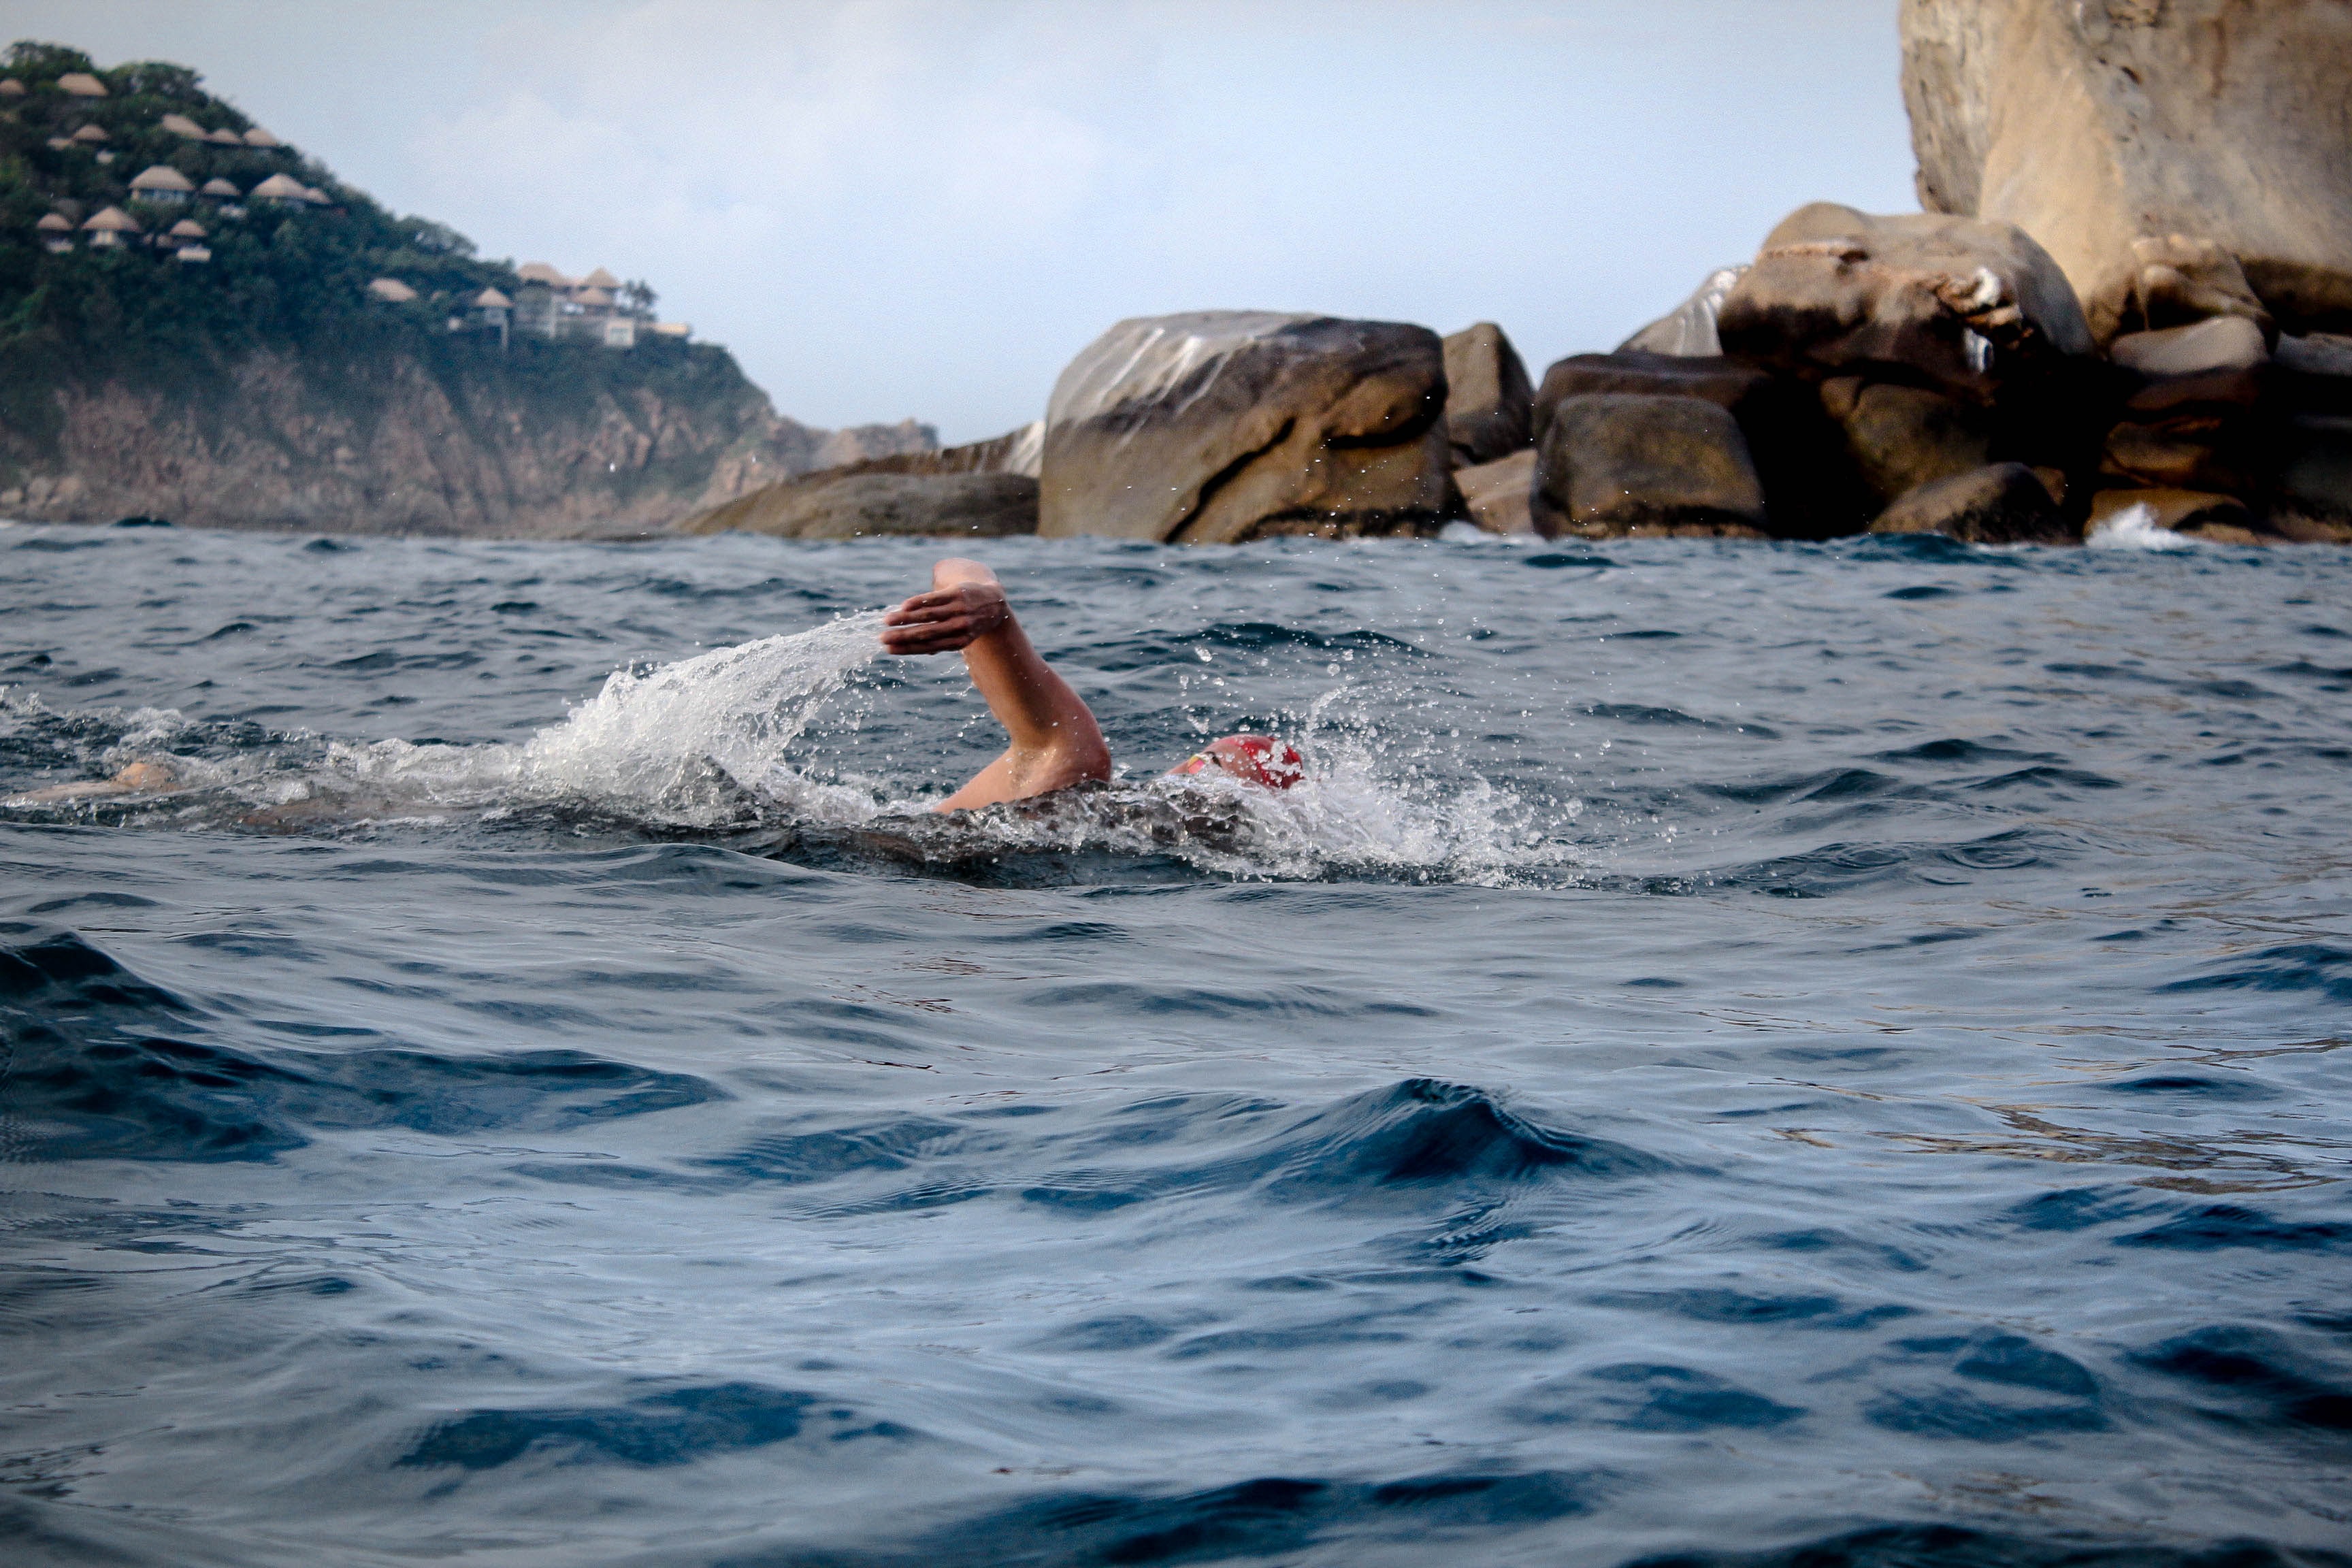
[(1740, 1054)]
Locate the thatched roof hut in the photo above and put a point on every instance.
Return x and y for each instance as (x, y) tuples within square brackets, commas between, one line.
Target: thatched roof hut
[(392, 289), (257, 137), (11, 88), (90, 135), (593, 299), (541, 272), (54, 222), (221, 189), (113, 220), (81, 84), (163, 182), (600, 279), (181, 125), (225, 138), (282, 188), (491, 300), (187, 228)]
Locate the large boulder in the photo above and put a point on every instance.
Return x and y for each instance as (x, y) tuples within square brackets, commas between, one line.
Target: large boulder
[(1487, 395), (2096, 125), (1217, 426), (1966, 305), (836, 504), (1798, 453), (1620, 464), (1497, 493), (1899, 437), (2002, 503)]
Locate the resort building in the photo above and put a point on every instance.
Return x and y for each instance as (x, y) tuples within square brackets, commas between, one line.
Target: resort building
[(193, 255), (189, 231), (108, 229), (181, 125), (81, 84), (225, 138), (220, 190), (90, 135), (56, 230), (392, 290), (283, 190), (162, 182), (257, 137), (11, 88), (551, 305)]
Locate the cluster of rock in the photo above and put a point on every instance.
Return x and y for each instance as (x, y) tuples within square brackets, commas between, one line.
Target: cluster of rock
[(2127, 291)]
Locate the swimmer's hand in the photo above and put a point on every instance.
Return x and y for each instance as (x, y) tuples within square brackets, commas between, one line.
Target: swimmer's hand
[(946, 619)]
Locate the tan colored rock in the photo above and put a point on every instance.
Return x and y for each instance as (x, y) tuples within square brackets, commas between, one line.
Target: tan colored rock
[(1218, 426), (2216, 343), (1497, 493), (1900, 437), (2003, 503), (1809, 488), (833, 504), (1969, 305), (2193, 450), (1487, 394), (1614, 465), (2097, 124)]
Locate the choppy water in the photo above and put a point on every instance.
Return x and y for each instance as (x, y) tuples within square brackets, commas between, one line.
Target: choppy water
[(1742, 1054)]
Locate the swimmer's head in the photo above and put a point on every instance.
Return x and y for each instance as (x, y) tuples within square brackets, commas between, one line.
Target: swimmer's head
[(1254, 759)]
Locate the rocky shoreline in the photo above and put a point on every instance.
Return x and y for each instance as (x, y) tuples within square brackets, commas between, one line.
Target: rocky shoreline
[(2129, 296)]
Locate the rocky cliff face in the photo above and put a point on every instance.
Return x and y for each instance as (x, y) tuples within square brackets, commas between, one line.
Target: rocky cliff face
[(598, 445)]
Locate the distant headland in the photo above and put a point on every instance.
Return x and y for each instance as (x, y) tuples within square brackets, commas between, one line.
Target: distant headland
[(199, 321)]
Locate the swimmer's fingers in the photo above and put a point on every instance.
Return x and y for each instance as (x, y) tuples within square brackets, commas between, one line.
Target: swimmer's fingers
[(944, 620)]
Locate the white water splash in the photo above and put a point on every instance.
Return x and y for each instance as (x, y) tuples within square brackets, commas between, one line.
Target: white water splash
[(689, 739), (2135, 527)]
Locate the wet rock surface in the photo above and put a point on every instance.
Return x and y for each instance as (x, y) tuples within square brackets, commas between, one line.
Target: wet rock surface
[(1623, 464), (1217, 426), (2002, 503)]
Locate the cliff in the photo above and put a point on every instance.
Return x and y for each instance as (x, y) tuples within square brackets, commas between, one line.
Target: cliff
[(221, 356)]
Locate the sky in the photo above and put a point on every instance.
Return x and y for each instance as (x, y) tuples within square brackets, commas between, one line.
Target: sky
[(894, 208)]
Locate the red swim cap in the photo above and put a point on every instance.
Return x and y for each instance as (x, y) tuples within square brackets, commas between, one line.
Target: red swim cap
[(1258, 759)]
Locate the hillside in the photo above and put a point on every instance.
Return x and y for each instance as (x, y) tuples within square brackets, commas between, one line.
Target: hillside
[(295, 356)]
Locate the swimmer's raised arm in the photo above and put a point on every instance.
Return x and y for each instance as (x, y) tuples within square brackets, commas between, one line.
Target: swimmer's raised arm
[(1055, 740)]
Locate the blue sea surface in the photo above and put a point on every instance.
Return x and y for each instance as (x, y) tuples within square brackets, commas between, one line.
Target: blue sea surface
[(1766, 1055)]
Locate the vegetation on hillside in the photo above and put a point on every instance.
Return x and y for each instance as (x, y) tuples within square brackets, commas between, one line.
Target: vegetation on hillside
[(289, 278)]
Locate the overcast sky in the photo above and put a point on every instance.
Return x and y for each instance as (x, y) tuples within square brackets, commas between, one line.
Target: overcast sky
[(925, 207)]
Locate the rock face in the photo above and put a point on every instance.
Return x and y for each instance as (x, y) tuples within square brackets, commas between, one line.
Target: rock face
[(407, 447), (1899, 437), (2002, 504), (1967, 305), (864, 443), (1798, 453), (2098, 124), (1619, 464), (1498, 493), (850, 504), (1488, 395), (1224, 426)]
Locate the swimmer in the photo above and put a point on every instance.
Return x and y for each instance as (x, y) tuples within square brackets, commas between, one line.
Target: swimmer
[(1055, 741), (139, 778)]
